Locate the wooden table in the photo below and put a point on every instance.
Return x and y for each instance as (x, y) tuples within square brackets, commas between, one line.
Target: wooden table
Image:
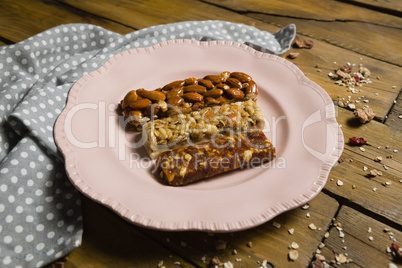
[(356, 222)]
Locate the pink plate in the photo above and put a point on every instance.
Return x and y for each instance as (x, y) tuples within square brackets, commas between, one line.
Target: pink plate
[(109, 164)]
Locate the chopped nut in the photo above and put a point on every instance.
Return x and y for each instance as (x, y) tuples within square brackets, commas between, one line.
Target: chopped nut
[(293, 55), (375, 172), (320, 257), (247, 155), (276, 224), (215, 261), (291, 231), (312, 226), (364, 115), (365, 168), (340, 258), (339, 182), (378, 159), (294, 245), (293, 255), (220, 244), (299, 43), (183, 171), (250, 244), (306, 206)]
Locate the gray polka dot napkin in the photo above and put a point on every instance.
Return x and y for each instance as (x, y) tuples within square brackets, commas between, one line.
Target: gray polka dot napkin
[(40, 216)]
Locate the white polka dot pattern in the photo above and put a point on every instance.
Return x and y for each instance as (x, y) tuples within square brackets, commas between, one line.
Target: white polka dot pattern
[(40, 216)]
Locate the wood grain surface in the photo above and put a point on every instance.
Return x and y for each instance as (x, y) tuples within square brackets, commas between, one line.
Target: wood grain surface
[(357, 216)]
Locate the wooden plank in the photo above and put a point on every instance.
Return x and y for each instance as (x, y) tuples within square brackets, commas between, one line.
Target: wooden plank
[(357, 29), (365, 240), (388, 6), (141, 14), (22, 19), (331, 10), (358, 187), (268, 242), (361, 37), (109, 241), (394, 120)]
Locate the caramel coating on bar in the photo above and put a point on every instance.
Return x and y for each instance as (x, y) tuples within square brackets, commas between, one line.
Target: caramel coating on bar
[(190, 94), (181, 166)]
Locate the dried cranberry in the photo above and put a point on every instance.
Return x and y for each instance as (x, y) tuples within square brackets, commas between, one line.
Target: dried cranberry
[(357, 141), (357, 78)]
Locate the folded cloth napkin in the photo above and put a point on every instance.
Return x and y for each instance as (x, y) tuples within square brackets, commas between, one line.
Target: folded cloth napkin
[(40, 215)]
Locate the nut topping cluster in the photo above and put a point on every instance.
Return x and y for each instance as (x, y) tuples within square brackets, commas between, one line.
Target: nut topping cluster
[(185, 96)]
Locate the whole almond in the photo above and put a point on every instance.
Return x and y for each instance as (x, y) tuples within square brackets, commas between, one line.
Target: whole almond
[(206, 83), (140, 104), (225, 74), (192, 97), (131, 96), (173, 84), (235, 94), (195, 88), (234, 82), (176, 92), (213, 93), (216, 79), (210, 100), (222, 100), (190, 81), (198, 105), (242, 77), (135, 115), (152, 110), (175, 101), (251, 90), (222, 86), (179, 110), (152, 95)]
